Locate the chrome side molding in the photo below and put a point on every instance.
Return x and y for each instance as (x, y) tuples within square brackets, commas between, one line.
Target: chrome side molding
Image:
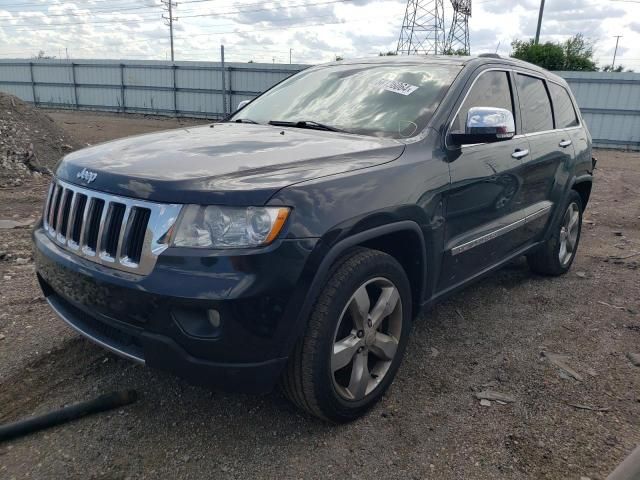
[(487, 237)]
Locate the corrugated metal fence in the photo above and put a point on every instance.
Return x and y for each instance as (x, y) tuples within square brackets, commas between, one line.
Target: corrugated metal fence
[(610, 102), (200, 89)]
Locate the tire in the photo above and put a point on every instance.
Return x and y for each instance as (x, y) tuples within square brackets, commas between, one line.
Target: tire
[(557, 254), (347, 359)]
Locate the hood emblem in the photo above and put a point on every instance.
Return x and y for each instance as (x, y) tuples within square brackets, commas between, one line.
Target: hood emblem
[(86, 175)]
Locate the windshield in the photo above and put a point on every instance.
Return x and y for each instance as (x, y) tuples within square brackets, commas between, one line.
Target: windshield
[(381, 100)]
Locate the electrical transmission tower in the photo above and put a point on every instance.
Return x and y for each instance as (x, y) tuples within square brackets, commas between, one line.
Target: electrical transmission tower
[(458, 39), (422, 30), (169, 5)]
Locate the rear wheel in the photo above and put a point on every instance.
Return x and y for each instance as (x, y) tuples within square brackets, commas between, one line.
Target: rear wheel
[(557, 254), (355, 339)]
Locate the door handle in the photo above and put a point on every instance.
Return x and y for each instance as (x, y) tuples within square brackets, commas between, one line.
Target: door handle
[(564, 143), (520, 153)]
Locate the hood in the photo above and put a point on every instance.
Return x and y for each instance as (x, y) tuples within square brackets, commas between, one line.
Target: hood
[(226, 163)]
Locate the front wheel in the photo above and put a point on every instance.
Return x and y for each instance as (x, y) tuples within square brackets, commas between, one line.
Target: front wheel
[(355, 338), (557, 254)]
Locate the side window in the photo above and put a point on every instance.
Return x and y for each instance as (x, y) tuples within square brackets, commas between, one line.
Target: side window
[(534, 104), (562, 107), (491, 89)]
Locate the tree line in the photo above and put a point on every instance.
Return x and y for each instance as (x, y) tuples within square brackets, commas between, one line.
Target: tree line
[(576, 53)]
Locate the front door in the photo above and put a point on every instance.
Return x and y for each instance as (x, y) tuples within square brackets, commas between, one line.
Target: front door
[(482, 220)]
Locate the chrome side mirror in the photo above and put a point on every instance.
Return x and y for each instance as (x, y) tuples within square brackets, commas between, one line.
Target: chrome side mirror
[(485, 125), (243, 103)]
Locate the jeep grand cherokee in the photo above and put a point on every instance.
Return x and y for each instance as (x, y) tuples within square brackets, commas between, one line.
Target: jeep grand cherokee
[(294, 243)]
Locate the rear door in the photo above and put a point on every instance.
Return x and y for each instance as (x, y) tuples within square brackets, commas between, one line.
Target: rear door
[(545, 169), (481, 217), (568, 119)]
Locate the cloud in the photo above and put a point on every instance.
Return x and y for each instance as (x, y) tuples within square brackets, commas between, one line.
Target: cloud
[(278, 16), (316, 32)]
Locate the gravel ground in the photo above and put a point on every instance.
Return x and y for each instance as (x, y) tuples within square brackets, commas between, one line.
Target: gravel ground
[(429, 426)]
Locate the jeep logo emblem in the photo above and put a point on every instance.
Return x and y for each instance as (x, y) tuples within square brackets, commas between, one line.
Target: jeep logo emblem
[(87, 175)]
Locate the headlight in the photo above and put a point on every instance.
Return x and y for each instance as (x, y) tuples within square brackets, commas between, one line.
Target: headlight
[(228, 227)]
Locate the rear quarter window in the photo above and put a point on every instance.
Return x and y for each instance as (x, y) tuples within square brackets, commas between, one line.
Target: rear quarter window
[(535, 105), (563, 108)]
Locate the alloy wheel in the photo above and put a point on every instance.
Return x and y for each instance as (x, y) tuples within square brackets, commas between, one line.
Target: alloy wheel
[(366, 338), (569, 233)]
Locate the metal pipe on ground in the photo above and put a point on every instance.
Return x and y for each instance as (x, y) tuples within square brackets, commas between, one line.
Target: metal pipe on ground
[(102, 403)]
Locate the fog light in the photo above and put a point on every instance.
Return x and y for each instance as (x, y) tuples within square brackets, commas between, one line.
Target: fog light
[(198, 322), (214, 318)]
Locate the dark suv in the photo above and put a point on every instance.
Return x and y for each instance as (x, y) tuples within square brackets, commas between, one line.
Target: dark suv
[(295, 242)]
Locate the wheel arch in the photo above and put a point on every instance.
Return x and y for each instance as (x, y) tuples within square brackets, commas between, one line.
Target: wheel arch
[(583, 185), (379, 238)]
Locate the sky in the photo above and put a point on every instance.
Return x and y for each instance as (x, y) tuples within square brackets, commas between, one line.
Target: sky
[(305, 31)]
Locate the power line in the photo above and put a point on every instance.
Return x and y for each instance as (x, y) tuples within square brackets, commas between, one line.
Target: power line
[(108, 11), (281, 27), (46, 6), (231, 12)]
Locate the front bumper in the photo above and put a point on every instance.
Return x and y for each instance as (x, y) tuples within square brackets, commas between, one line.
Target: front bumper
[(161, 319)]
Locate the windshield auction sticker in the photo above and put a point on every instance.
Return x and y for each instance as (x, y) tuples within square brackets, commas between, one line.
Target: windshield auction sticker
[(396, 87)]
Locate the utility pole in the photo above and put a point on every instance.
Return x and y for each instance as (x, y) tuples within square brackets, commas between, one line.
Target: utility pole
[(290, 50), (615, 52), (539, 21), (169, 5)]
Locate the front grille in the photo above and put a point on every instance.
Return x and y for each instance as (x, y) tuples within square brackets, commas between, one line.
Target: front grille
[(120, 232), (93, 223)]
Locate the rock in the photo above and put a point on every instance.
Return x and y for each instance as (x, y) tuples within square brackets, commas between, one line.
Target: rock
[(581, 274), (560, 361), (2, 337), (9, 224), (485, 403), (22, 261), (618, 233), (7, 277), (634, 358), (588, 407), (492, 395), (434, 352)]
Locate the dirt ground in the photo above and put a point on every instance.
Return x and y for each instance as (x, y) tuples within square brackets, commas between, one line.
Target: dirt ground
[(96, 127), (429, 426)]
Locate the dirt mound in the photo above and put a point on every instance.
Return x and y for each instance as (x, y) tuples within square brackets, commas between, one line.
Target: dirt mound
[(30, 141)]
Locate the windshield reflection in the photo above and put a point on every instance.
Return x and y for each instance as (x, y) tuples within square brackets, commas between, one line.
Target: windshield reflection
[(381, 100)]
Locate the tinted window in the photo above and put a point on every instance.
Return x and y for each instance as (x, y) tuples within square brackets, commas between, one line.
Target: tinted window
[(382, 100), (490, 90), (562, 107), (534, 104)]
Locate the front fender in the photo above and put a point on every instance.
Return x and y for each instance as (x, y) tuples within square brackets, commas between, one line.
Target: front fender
[(317, 269)]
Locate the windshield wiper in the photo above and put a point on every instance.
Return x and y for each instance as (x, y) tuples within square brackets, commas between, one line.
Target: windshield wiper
[(306, 124), (246, 120)]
